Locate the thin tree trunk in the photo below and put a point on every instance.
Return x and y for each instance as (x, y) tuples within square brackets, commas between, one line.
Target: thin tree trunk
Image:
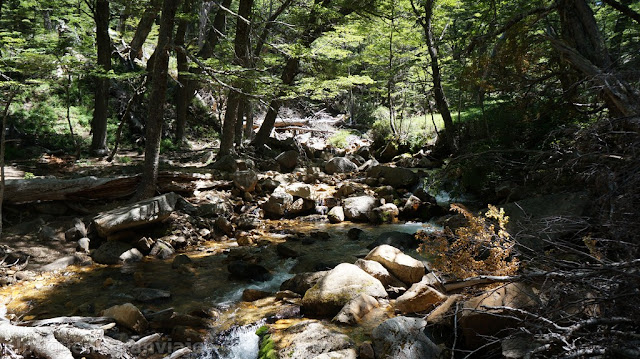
[(390, 81), (228, 126), (122, 19), (101, 108), (5, 116), (143, 29), (182, 95), (288, 74), (438, 91), (68, 94), (156, 100), (241, 48), (248, 127), (242, 107)]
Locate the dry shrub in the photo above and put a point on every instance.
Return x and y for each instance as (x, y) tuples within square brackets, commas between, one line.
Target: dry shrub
[(482, 247)]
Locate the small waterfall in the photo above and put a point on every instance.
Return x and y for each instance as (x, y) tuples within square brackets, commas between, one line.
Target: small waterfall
[(237, 343)]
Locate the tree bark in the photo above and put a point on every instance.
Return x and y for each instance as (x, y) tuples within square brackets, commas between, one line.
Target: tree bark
[(101, 101), (156, 100), (182, 94), (241, 50), (217, 30), (5, 116), (242, 109), (143, 29), (438, 91), (584, 48), (288, 75)]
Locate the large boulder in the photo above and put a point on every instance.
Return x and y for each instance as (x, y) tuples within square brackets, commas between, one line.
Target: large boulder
[(288, 160), (302, 282), (249, 271), (278, 204), (311, 339), (403, 338), (338, 287), (355, 309), (141, 213), (477, 320), (225, 164), (127, 315), (301, 190), (358, 208), (407, 269), (340, 165), (419, 298), (110, 252), (245, 181), (379, 272), (336, 214), (394, 176), (387, 213)]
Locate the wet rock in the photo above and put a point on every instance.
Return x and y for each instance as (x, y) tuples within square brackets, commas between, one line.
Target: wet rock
[(286, 252), (301, 190), (185, 334), (358, 208), (419, 298), (336, 214), (321, 235), (224, 225), (245, 181), (248, 222), (181, 260), (59, 264), (218, 207), (415, 208), (355, 234), (288, 160), (302, 206), (83, 245), (301, 282), (286, 294), (25, 275), (248, 271), (348, 188), (244, 239), (130, 256), (368, 165), (311, 339), (365, 351), (340, 165), (401, 240), (405, 268), (387, 213), (144, 245), (278, 204), (127, 315), (269, 184), (150, 294), (403, 338), (110, 252), (398, 177), (225, 164), (355, 309), (250, 295), (162, 250), (338, 287), (142, 213), (477, 321)]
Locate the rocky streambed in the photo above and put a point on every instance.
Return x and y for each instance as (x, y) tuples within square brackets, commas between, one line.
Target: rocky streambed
[(315, 262)]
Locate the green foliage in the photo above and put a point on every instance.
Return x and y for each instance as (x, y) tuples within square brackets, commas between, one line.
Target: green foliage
[(267, 346), (340, 139), (29, 175), (167, 145)]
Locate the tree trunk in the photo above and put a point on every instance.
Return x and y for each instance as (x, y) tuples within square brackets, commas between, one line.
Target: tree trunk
[(156, 100), (242, 109), (182, 94), (248, 127), (438, 91), (217, 30), (288, 74), (100, 113), (241, 48), (5, 116), (143, 29), (584, 48)]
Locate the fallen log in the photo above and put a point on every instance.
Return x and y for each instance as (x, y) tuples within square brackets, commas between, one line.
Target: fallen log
[(60, 342), (95, 188)]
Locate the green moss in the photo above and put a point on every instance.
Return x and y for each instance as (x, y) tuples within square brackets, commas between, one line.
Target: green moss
[(262, 330)]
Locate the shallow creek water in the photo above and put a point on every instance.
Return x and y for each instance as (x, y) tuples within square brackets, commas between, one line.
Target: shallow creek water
[(204, 285)]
